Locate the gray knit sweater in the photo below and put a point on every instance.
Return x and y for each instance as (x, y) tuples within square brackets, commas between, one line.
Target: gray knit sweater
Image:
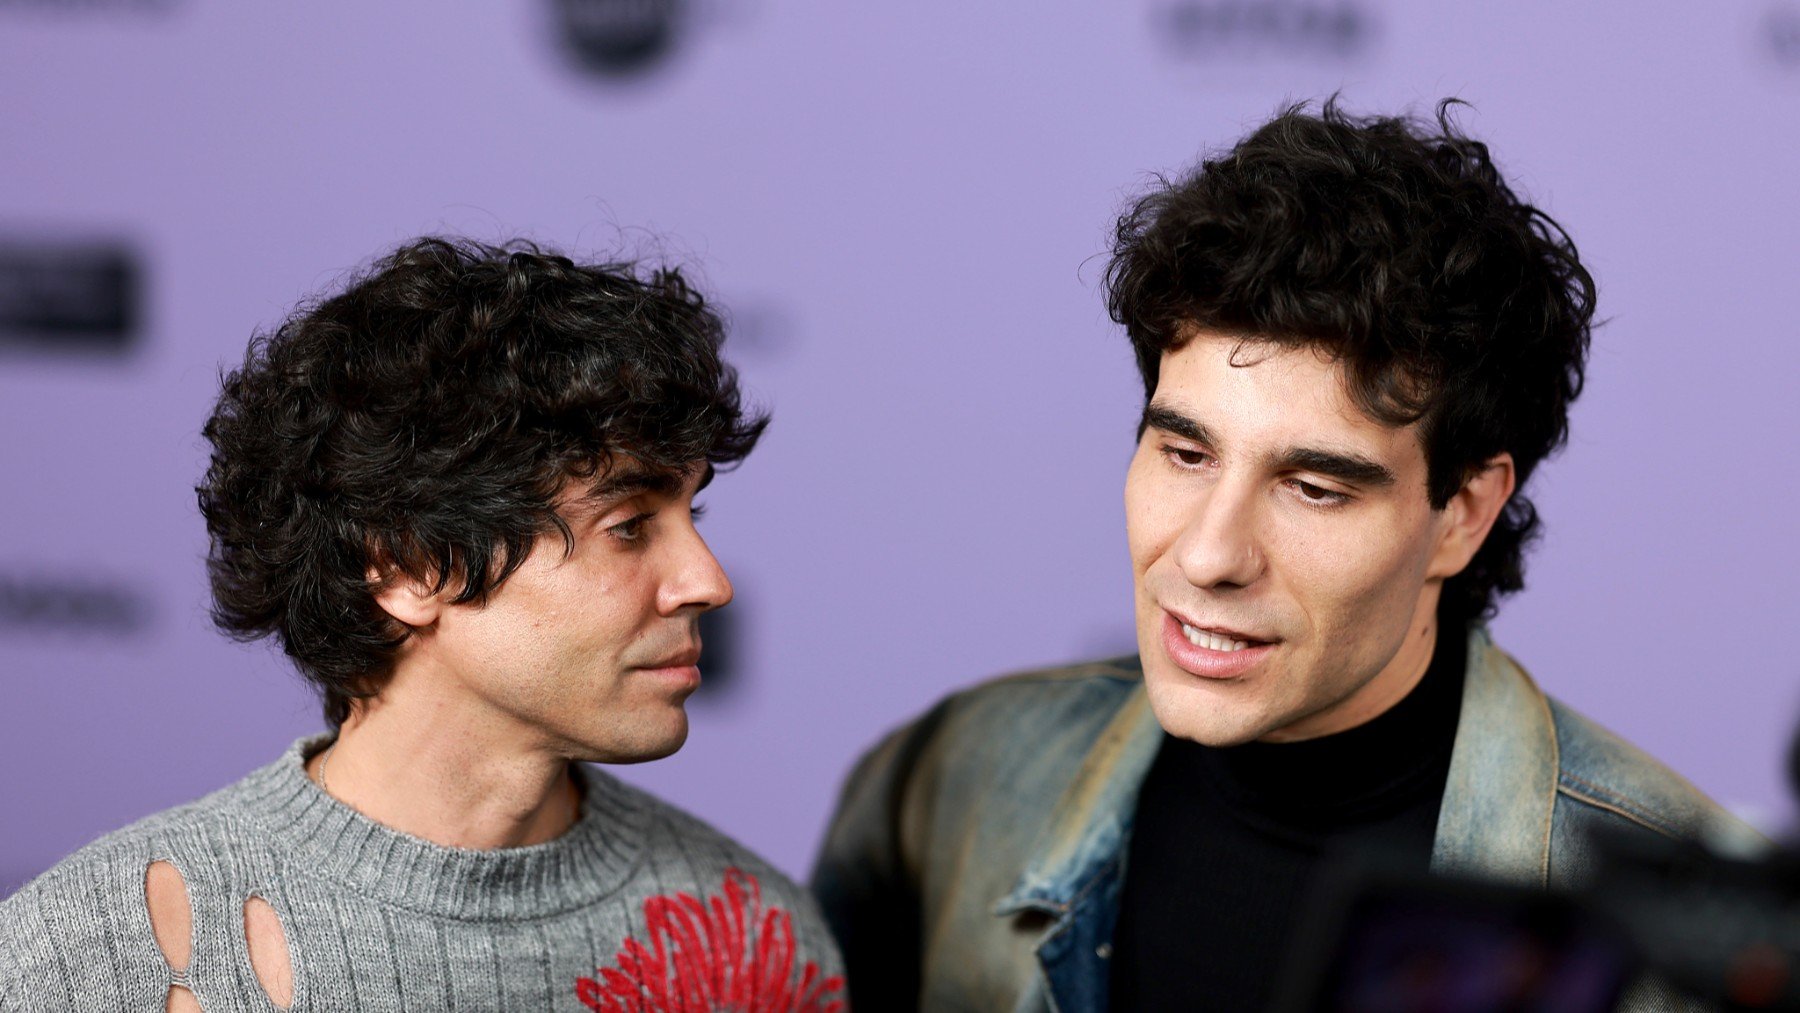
[(638, 907)]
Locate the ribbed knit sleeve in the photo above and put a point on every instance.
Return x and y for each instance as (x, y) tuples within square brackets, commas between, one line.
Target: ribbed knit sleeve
[(9, 977)]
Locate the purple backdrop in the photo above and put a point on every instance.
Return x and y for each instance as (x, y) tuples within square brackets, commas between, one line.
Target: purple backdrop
[(900, 203)]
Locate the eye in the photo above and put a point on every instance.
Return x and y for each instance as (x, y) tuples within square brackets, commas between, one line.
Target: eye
[(1318, 495), (1186, 458), (631, 529)]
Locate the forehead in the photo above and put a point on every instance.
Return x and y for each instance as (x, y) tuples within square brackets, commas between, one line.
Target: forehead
[(1260, 396)]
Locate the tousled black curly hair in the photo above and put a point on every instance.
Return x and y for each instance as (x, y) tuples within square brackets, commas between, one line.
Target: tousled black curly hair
[(424, 420), (1395, 246)]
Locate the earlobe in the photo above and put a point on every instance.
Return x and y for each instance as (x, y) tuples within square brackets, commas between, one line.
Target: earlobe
[(1471, 514)]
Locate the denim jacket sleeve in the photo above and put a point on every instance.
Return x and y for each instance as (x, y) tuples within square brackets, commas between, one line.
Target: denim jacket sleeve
[(955, 854), (866, 878)]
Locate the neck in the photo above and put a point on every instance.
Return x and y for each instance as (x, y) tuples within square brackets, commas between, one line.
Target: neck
[(448, 772), (1394, 757)]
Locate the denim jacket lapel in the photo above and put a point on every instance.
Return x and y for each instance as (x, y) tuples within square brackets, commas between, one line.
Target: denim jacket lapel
[(1496, 815), (1075, 868)]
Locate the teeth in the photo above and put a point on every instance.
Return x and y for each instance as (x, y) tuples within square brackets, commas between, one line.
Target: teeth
[(1211, 641)]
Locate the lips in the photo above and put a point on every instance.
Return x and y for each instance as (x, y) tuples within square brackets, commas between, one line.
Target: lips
[(1212, 651), (684, 659), (679, 670)]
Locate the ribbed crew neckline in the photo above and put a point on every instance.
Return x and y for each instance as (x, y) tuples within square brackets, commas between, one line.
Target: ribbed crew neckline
[(326, 838)]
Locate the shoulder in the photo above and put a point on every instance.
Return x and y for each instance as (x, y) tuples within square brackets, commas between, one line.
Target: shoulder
[(98, 871), (1038, 714), (82, 928), (685, 855), (674, 834), (992, 759), (215, 825), (1061, 686), (1535, 787), (1614, 782)]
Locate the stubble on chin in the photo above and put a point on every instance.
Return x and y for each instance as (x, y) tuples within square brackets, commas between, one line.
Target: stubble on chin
[(1195, 713)]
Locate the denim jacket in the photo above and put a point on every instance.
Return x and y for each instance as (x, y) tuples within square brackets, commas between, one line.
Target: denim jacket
[(976, 858)]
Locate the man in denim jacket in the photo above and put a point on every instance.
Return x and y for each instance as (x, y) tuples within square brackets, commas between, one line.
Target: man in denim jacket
[(1357, 343)]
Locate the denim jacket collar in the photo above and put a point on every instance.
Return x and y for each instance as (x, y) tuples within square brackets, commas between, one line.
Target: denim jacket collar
[(1092, 821), (1495, 818), (1076, 866)]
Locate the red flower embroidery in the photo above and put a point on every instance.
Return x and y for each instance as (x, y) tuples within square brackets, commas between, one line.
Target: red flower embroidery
[(727, 954)]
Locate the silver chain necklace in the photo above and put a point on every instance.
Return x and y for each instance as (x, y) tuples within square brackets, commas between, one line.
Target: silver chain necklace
[(323, 760)]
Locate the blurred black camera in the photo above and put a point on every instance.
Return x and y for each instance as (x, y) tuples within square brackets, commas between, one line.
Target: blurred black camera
[(1659, 918)]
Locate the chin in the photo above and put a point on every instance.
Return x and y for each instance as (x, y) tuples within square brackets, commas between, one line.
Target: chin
[(658, 753), (642, 741), (664, 745), (1191, 712)]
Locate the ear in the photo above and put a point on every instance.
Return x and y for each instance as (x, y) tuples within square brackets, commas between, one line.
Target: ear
[(1470, 514), (410, 602)]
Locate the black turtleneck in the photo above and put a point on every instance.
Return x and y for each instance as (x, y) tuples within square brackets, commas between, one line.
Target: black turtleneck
[(1226, 842)]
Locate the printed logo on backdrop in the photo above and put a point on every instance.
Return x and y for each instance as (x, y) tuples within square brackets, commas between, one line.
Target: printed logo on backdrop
[(758, 332), (620, 38), (88, 6), (69, 297), (624, 40), (34, 603), (760, 329), (1214, 28), (722, 647), (1781, 35)]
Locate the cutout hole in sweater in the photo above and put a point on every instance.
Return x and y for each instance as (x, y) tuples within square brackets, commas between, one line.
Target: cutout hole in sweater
[(269, 951), (172, 923)]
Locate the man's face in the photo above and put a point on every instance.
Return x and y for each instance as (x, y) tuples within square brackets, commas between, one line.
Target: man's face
[(590, 654), (1283, 547)]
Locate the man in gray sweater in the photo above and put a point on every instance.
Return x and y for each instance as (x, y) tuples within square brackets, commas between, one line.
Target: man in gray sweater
[(460, 495)]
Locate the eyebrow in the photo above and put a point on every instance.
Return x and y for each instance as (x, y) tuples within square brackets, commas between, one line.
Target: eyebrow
[(618, 485), (1352, 468), (1343, 467), (1174, 423)]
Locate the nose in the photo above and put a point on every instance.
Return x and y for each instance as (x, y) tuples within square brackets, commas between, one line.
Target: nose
[(695, 582), (1220, 549)]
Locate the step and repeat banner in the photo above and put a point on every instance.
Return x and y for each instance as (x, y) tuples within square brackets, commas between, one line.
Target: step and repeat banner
[(903, 208)]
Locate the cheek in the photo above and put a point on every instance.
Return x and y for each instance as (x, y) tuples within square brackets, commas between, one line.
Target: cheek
[(596, 605), (1153, 512), (572, 605), (1352, 572)]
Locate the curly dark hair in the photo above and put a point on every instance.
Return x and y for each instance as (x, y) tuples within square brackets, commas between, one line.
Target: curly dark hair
[(1395, 246), (423, 421)]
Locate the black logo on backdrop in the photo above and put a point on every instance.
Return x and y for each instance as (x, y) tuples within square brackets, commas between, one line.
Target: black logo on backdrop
[(70, 604), (721, 650), (69, 296), (1781, 30), (89, 6), (1226, 27), (761, 330), (620, 38)]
